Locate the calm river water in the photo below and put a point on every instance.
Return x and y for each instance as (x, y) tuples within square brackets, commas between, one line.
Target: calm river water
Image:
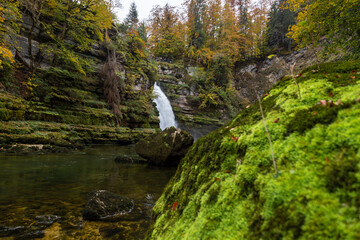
[(42, 196)]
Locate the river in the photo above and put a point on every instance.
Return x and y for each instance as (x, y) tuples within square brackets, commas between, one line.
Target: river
[(42, 196)]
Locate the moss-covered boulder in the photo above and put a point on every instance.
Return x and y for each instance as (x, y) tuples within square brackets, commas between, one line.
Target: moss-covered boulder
[(102, 204), (226, 186), (165, 148)]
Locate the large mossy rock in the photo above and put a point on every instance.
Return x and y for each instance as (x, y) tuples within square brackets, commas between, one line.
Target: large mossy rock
[(226, 186), (165, 148), (102, 204)]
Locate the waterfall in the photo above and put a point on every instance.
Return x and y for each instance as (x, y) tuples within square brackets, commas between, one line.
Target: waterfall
[(166, 114)]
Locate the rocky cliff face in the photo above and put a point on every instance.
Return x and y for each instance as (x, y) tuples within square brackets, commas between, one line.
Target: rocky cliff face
[(265, 74), (249, 79), (60, 107), (184, 98)]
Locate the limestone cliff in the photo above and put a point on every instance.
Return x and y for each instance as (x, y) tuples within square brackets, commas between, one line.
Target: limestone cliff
[(58, 106)]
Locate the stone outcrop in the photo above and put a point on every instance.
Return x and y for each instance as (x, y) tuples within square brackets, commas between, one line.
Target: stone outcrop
[(265, 74), (184, 97), (102, 204), (165, 148)]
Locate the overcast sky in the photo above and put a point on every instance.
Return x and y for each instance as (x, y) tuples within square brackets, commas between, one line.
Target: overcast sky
[(144, 7)]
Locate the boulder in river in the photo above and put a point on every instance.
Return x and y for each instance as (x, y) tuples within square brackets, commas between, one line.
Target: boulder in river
[(102, 204), (165, 148)]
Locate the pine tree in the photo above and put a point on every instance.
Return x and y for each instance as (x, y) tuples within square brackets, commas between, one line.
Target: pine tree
[(196, 9), (142, 31), (280, 19), (132, 20)]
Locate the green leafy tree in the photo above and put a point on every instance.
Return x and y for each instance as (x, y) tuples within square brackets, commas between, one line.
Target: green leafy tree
[(337, 21), (82, 22), (9, 26), (166, 40)]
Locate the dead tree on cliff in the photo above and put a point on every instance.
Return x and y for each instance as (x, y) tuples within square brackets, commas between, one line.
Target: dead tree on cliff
[(111, 85)]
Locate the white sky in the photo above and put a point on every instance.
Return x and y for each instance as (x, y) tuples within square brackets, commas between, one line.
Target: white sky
[(143, 7)]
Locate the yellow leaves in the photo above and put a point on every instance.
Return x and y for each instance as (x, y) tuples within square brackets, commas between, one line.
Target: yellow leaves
[(5, 54)]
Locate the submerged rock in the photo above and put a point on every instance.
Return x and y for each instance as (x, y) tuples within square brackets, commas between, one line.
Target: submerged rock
[(102, 204), (165, 148), (47, 219), (129, 160)]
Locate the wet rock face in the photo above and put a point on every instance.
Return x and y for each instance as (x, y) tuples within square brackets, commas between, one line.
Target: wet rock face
[(102, 204), (165, 148)]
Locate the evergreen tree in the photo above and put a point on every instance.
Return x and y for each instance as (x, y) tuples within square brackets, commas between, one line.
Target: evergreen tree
[(196, 9), (142, 31), (132, 20), (280, 19), (243, 7)]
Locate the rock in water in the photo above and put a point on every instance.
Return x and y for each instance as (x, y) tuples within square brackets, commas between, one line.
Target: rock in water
[(165, 148), (101, 204), (123, 159)]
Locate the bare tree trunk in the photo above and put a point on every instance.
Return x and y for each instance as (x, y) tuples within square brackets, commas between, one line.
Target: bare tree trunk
[(111, 88)]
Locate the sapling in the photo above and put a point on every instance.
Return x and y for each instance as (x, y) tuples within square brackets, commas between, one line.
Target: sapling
[(268, 134), (293, 77), (265, 126)]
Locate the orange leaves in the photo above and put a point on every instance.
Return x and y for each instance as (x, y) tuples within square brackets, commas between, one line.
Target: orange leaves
[(174, 206), (234, 138)]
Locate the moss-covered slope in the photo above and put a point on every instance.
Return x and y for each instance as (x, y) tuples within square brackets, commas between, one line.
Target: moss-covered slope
[(226, 186)]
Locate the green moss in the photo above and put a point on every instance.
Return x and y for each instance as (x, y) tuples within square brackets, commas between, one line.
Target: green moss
[(227, 188)]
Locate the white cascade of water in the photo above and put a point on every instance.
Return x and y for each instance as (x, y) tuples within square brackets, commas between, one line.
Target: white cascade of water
[(166, 114)]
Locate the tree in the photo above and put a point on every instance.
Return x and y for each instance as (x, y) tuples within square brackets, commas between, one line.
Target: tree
[(280, 19), (257, 27), (142, 31), (337, 21), (230, 37), (166, 38), (212, 23), (131, 21), (196, 9), (9, 25), (82, 22)]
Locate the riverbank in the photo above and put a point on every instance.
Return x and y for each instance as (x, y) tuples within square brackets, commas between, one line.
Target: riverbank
[(37, 136)]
